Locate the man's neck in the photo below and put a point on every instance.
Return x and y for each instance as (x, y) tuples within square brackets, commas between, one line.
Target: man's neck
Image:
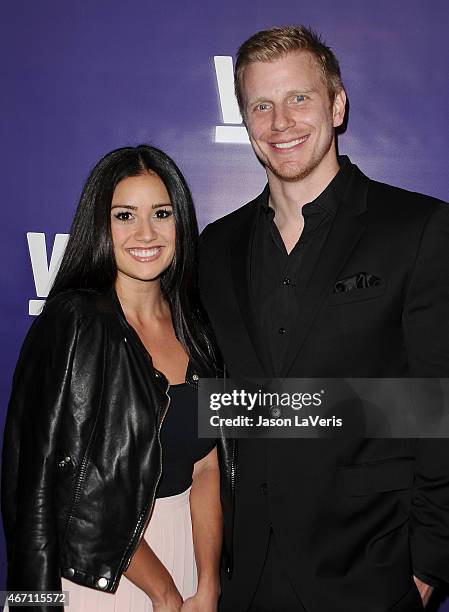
[(287, 196)]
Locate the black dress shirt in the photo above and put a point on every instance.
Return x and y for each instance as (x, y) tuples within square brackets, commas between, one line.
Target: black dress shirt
[(277, 278)]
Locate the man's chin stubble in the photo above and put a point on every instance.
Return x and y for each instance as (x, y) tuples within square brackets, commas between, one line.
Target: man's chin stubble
[(299, 175)]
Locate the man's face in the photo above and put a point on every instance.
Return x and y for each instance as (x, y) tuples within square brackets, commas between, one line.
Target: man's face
[(289, 116)]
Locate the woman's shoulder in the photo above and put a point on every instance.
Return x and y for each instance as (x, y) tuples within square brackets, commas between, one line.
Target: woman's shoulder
[(70, 318), (80, 303), (69, 311)]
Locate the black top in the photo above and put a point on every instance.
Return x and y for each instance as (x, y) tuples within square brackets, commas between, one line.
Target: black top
[(181, 447), (277, 278)]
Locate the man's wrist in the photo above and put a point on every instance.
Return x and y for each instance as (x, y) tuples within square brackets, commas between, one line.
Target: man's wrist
[(210, 586)]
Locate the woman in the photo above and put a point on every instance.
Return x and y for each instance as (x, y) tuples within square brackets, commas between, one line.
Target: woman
[(100, 444)]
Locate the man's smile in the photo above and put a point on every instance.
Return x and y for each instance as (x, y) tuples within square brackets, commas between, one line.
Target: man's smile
[(290, 144)]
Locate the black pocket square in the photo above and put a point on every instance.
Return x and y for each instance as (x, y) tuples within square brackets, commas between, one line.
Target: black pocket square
[(362, 280)]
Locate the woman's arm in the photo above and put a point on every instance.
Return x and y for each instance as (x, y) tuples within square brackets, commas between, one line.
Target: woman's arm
[(40, 386), (207, 533), (148, 573)]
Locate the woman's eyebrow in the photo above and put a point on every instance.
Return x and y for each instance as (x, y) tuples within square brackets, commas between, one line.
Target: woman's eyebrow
[(131, 207)]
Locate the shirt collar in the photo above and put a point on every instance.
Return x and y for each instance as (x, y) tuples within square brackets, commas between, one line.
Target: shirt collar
[(329, 199)]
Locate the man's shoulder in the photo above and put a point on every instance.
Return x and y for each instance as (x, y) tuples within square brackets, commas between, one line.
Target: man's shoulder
[(402, 201), (227, 224)]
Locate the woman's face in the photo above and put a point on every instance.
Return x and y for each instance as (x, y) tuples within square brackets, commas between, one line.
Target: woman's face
[(142, 227)]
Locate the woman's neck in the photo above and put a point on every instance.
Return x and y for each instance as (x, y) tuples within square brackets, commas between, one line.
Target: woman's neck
[(141, 301)]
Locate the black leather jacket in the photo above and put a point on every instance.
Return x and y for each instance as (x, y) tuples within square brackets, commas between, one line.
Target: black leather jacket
[(81, 454)]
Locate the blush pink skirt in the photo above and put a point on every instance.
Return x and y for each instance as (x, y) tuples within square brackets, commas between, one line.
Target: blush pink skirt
[(169, 534)]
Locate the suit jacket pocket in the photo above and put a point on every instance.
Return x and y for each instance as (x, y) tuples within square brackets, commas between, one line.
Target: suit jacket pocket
[(377, 477), (356, 295)]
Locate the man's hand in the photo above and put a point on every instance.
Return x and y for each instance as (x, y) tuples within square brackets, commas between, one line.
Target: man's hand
[(425, 590)]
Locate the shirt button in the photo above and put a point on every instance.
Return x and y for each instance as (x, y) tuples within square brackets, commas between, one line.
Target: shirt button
[(102, 583), (286, 281), (282, 330), (195, 377)]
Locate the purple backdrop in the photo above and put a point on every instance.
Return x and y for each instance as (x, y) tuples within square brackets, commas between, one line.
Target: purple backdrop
[(82, 78)]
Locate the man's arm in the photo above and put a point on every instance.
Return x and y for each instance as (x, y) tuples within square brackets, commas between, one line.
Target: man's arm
[(426, 331)]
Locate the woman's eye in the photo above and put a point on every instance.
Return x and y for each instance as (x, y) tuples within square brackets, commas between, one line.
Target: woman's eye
[(163, 213), (124, 216)]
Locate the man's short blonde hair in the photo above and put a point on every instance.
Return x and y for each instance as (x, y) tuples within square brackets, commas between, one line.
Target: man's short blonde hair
[(269, 45)]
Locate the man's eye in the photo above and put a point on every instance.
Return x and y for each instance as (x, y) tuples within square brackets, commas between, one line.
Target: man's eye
[(263, 106), (124, 216), (163, 213), (300, 98)]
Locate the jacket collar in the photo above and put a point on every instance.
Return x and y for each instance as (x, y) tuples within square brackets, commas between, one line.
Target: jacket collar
[(240, 253), (192, 375)]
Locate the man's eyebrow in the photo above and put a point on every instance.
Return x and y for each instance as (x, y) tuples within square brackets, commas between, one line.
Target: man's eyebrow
[(289, 93), (300, 91), (256, 100)]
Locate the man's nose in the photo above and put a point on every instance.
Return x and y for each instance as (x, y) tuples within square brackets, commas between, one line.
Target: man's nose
[(282, 119)]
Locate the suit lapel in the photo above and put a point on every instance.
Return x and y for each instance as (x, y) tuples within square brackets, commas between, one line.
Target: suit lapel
[(347, 227), (240, 255)]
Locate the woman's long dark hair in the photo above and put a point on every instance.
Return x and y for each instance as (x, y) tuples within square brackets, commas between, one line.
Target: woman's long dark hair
[(89, 262)]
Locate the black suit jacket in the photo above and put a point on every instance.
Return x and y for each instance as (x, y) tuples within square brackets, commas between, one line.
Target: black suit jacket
[(354, 518)]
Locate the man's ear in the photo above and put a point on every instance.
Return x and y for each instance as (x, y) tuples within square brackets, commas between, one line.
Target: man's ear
[(338, 107)]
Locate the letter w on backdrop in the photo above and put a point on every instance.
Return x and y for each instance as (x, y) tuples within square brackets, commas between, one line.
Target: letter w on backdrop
[(44, 273)]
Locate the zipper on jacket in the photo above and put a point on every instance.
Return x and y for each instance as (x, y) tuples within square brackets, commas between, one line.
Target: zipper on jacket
[(80, 479), (230, 563), (150, 510)]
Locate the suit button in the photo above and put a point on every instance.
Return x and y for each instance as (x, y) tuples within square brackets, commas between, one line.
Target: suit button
[(156, 373), (286, 281), (282, 330), (195, 376), (264, 488), (70, 572), (102, 583)]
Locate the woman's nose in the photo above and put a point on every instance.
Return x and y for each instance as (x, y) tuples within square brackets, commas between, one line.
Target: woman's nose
[(145, 231)]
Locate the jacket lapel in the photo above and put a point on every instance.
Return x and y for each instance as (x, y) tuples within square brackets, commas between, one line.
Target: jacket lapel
[(347, 227), (240, 255)]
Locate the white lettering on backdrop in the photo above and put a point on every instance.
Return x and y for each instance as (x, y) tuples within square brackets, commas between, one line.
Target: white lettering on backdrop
[(236, 132), (44, 273)]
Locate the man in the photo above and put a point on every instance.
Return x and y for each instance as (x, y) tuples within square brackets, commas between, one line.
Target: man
[(326, 274)]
